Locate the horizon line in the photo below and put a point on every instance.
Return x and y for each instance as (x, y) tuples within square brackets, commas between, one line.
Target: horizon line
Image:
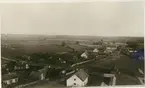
[(68, 35)]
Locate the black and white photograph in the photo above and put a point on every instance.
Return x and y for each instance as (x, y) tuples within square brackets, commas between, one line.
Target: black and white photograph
[(72, 44)]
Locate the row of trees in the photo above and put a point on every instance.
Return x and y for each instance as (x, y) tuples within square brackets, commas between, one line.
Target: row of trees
[(132, 44), (63, 43)]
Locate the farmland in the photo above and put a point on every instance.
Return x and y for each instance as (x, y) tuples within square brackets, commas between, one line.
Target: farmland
[(59, 53)]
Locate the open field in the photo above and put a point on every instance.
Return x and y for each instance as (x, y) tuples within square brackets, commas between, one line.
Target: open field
[(46, 84)]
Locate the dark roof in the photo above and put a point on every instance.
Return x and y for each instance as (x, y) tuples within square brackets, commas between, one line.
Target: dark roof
[(35, 74), (81, 74), (9, 76), (39, 72)]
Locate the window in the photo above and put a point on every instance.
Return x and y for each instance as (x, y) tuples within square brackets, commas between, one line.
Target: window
[(74, 83), (74, 79)]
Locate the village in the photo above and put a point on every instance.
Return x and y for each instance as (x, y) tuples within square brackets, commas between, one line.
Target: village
[(102, 64)]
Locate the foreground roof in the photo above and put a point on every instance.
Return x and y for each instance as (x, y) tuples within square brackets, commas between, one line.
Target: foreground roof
[(9, 76), (82, 74)]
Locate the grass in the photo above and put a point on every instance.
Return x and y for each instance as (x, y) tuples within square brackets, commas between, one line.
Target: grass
[(125, 79), (95, 80), (22, 48), (46, 84)]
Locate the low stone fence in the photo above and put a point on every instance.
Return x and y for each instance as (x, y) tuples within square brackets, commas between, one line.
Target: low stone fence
[(82, 62), (70, 72)]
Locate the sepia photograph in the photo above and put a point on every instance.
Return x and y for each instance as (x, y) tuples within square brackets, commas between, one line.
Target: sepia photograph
[(72, 44)]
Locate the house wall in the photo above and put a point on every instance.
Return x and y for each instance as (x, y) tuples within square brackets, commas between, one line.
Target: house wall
[(84, 55), (86, 81), (21, 67), (95, 50), (72, 82), (11, 81), (42, 77), (113, 81)]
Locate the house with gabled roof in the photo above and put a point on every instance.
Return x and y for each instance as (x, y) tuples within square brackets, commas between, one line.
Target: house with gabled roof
[(39, 74), (78, 79), (84, 55), (10, 78), (95, 50)]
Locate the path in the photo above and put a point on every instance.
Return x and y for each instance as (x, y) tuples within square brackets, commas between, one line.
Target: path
[(4, 58)]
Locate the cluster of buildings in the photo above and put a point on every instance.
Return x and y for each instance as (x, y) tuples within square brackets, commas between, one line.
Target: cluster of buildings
[(100, 50), (10, 78), (10, 68), (19, 73), (81, 78)]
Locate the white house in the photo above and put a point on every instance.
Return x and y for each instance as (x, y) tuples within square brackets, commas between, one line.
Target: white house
[(110, 49), (112, 78), (21, 66), (10, 78), (103, 84), (84, 55), (96, 50), (78, 79)]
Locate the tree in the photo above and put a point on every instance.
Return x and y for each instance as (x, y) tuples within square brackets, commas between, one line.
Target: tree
[(113, 42), (63, 43), (77, 42), (10, 66), (119, 47), (132, 44), (94, 43)]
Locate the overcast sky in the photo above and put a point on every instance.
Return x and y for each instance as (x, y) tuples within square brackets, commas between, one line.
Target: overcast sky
[(88, 18)]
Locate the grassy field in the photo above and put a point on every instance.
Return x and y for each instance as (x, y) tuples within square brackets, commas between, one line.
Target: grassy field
[(46, 84), (19, 47), (125, 79), (95, 80)]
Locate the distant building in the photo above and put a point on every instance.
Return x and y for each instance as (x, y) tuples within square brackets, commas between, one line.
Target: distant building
[(84, 55), (21, 66), (111, 48), (130, 50), (10, 78), (138, 54), (78, 79), (40, 74), (96, 50)]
